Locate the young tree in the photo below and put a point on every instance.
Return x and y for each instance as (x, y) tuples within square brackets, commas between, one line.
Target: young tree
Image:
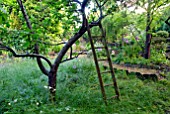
[(52, 73), (152, 8)]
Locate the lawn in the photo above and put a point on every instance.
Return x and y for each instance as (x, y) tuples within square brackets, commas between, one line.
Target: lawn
[(23, 89)]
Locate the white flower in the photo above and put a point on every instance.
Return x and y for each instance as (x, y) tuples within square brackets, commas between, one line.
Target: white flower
[(138, 108), (54, 90), (50, 87), (59, 109), (67, 108), (9, 103), (41, 111), (37, 103), (46, 87), (15, 100)]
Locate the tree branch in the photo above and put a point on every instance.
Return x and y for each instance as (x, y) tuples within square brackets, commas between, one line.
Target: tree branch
[(71, 52), (25, 55), (73, 39), (104, 3), (81, 53), (51, 44), (40, 64), (167, 21), (25, 14), (83, 5), (77, 2)]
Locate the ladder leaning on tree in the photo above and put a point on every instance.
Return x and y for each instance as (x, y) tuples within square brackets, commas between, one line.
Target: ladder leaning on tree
[(97, 60)]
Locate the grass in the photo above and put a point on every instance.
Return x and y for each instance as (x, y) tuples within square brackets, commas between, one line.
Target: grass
[(22, 91)]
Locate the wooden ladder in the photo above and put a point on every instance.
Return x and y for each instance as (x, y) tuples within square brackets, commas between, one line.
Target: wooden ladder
[(97, 60)]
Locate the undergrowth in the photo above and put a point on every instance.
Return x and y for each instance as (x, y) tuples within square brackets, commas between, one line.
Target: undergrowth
[(23, 90)]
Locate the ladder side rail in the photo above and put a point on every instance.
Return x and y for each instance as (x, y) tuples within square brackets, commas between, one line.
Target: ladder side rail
[(109, 60), (96, 63)]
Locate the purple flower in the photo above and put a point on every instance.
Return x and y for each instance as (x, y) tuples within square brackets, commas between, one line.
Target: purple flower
[(74, 67), (127, 41), (99, 49), (137, 38)]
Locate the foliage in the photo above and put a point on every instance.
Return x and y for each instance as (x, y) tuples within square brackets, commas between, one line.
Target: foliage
[(154, 35), (163, 34), (45, 17), (24, 91), (131, 54)]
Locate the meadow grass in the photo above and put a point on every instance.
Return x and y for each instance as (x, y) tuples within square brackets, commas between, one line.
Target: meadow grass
[(23, 90)]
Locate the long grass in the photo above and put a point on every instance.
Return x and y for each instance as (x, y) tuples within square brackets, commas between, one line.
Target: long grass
[(23, 91)]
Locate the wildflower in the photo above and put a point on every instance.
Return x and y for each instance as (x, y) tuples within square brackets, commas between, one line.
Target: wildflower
[(37, 103), (9, 103), (127, 41), (50, 87), (59, 109), (46, 87), (74, 66), (99, 49), (54, 90), (113, 52), (137, 38), (41, 111), (67, 108), (15, 100)]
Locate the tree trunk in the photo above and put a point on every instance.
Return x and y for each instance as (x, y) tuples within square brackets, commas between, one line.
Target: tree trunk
[(148, 34), (147, 43), (52, 85)]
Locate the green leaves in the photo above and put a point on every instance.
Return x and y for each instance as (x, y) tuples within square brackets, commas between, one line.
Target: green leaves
[(3, 16)]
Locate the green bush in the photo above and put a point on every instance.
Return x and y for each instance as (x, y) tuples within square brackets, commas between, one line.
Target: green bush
[(163, 34), (154, 35), (56, 49)]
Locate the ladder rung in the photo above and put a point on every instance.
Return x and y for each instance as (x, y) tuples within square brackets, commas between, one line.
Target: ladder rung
[(112, 97), (102, 59), (99, 47), (108, 85), (106, 72)]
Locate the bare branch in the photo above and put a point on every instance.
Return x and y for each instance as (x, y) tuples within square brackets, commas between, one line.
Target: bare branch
[(104, 3), (26, 55), (167, 21), (77, 2), (81, 53), (46, 43), (25, 14), (100, 8), (71, 52)]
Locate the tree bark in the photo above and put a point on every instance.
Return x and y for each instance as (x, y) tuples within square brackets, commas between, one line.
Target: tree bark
[(148, 34), (147, 43), (52, 78)]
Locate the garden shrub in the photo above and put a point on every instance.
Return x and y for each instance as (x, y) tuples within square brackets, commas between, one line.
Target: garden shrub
[(154, 35), (163, 34)]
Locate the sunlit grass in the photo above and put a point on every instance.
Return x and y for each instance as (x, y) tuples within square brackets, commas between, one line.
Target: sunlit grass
[(22, 91)]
